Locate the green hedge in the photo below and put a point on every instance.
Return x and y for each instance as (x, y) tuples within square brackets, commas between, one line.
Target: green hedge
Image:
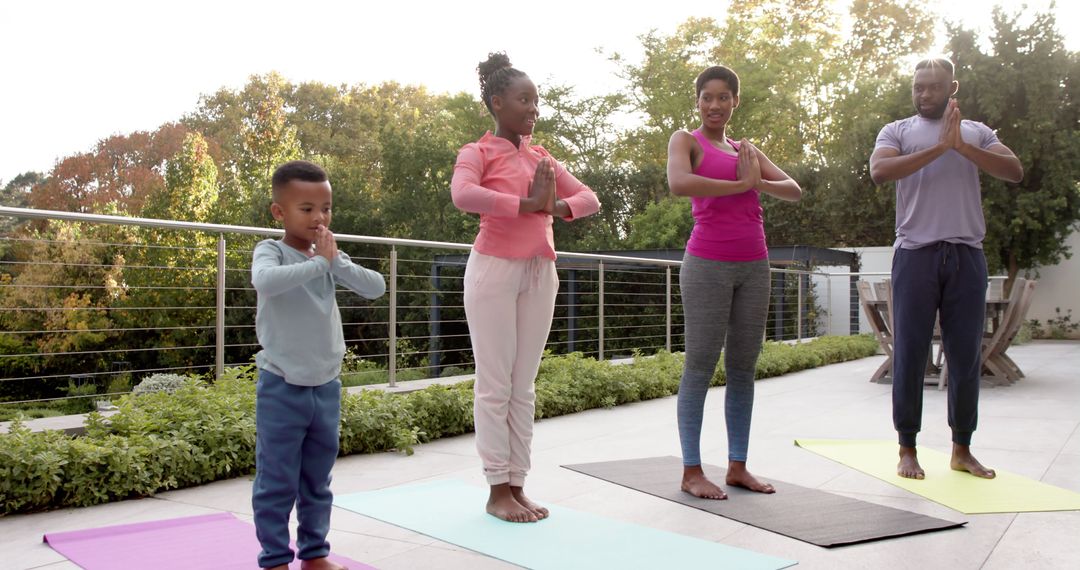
[(203, 432)]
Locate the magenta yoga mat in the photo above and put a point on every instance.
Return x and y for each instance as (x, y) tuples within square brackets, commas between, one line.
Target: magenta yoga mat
[(219, 541)]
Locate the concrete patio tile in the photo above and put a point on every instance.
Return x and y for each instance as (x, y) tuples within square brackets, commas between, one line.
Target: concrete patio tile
[(1031, 428), (1038, 540), (627, 505), (1065, 472), (230, 495), (64, 565), (375, 471), (1073, 445)]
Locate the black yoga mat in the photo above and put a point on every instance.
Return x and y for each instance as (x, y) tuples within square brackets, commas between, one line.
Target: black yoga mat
[(804, 514)]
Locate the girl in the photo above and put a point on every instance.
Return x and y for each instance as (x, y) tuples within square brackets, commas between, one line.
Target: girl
[(510, 279), (725, 273)]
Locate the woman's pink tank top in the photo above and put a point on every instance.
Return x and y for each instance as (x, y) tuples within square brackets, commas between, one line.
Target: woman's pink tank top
[(726, 228)]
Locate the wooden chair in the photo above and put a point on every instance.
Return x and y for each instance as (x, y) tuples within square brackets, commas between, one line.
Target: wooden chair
[(991, 342), (995, 357), (876, 302)]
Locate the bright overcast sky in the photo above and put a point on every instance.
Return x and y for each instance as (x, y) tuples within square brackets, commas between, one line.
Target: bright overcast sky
[(75, 72)]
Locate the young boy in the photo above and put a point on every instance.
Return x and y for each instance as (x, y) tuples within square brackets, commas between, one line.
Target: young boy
[(298, 398)]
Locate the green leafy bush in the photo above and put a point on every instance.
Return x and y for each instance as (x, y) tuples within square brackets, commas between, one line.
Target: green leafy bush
[(160, 382), (1060, 327), (204, 432)]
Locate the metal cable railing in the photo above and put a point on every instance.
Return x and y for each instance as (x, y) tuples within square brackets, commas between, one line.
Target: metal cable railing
[(128, 309)]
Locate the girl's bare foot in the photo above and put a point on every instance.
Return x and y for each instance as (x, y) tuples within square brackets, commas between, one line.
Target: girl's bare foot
[(321, 564), (909, 464), (695, 483), (519, 496), (738, 476), (502, 504), (963, 460)]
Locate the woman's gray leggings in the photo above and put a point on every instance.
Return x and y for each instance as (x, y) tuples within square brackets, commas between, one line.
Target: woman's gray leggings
[(722, 301)]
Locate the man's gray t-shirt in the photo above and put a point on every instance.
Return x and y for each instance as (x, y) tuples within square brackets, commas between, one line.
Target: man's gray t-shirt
[(942, 200)]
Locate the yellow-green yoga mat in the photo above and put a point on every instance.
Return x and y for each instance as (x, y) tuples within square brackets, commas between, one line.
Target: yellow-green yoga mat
[(961, 491)]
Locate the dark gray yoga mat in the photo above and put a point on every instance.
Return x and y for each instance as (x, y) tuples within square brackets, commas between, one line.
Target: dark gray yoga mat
[(797, 512)]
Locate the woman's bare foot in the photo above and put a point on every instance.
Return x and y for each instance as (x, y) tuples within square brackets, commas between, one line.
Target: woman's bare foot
[(909, 467), (502, 504), (738, 475), (695, 483), (963, 460), (321, 564), (519, 496)]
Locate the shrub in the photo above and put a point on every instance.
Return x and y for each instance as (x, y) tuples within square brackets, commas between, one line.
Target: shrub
[(119, 384), (160, 383), (454, 371), (203, 432)]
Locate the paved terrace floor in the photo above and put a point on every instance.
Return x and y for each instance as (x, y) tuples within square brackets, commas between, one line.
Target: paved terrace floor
[(1031, 428)]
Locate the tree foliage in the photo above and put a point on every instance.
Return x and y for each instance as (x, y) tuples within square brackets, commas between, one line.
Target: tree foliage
[(817, 85), (1025, 85)]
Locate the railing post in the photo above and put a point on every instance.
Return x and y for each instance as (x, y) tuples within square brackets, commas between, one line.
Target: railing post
[(799, 308), (779, 279), (219, 327), (600, 312), (667, 309), (435, 326), (828, 305), (391, 363), (571, 309)]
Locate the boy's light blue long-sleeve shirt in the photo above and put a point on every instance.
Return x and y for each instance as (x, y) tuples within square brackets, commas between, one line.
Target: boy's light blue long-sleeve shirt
[(297, 321)]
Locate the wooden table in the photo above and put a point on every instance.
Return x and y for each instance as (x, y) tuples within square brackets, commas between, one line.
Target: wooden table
[(878, 314)]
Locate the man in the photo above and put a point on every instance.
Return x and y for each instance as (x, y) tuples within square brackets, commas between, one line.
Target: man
[(935, 158)]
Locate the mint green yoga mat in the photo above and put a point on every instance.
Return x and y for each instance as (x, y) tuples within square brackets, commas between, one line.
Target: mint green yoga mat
[(452, 511)]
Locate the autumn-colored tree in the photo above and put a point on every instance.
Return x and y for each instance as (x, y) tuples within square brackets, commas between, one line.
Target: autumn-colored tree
[(122, 169), (54, 302)]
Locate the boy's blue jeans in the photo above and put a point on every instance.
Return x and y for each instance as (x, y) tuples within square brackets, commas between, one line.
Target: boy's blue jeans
[(296, 444)]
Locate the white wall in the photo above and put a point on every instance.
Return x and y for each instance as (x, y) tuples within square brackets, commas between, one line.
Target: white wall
[(1058, 286), (834, 293)]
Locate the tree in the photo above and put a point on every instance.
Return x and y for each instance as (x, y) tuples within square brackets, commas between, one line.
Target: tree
[(1026, 85), (810, 101), (661, 87), (249, 133), (16, 193), (190, 184), (122, 170), (56, 311)]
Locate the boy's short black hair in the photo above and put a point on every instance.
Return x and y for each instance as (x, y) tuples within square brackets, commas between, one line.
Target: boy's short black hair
[(296, 170)]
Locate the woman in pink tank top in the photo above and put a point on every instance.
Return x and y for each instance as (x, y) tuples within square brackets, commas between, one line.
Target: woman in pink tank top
[(724, 277)]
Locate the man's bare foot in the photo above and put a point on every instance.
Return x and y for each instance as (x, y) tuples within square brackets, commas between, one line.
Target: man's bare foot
[(695, 483), (502, 504), (738, 475), (321, 564), (519, 496), (963, 460), (909, 467)]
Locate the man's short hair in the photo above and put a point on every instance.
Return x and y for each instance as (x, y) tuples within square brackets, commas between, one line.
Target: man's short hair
[(296, 170), (935, 63)]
